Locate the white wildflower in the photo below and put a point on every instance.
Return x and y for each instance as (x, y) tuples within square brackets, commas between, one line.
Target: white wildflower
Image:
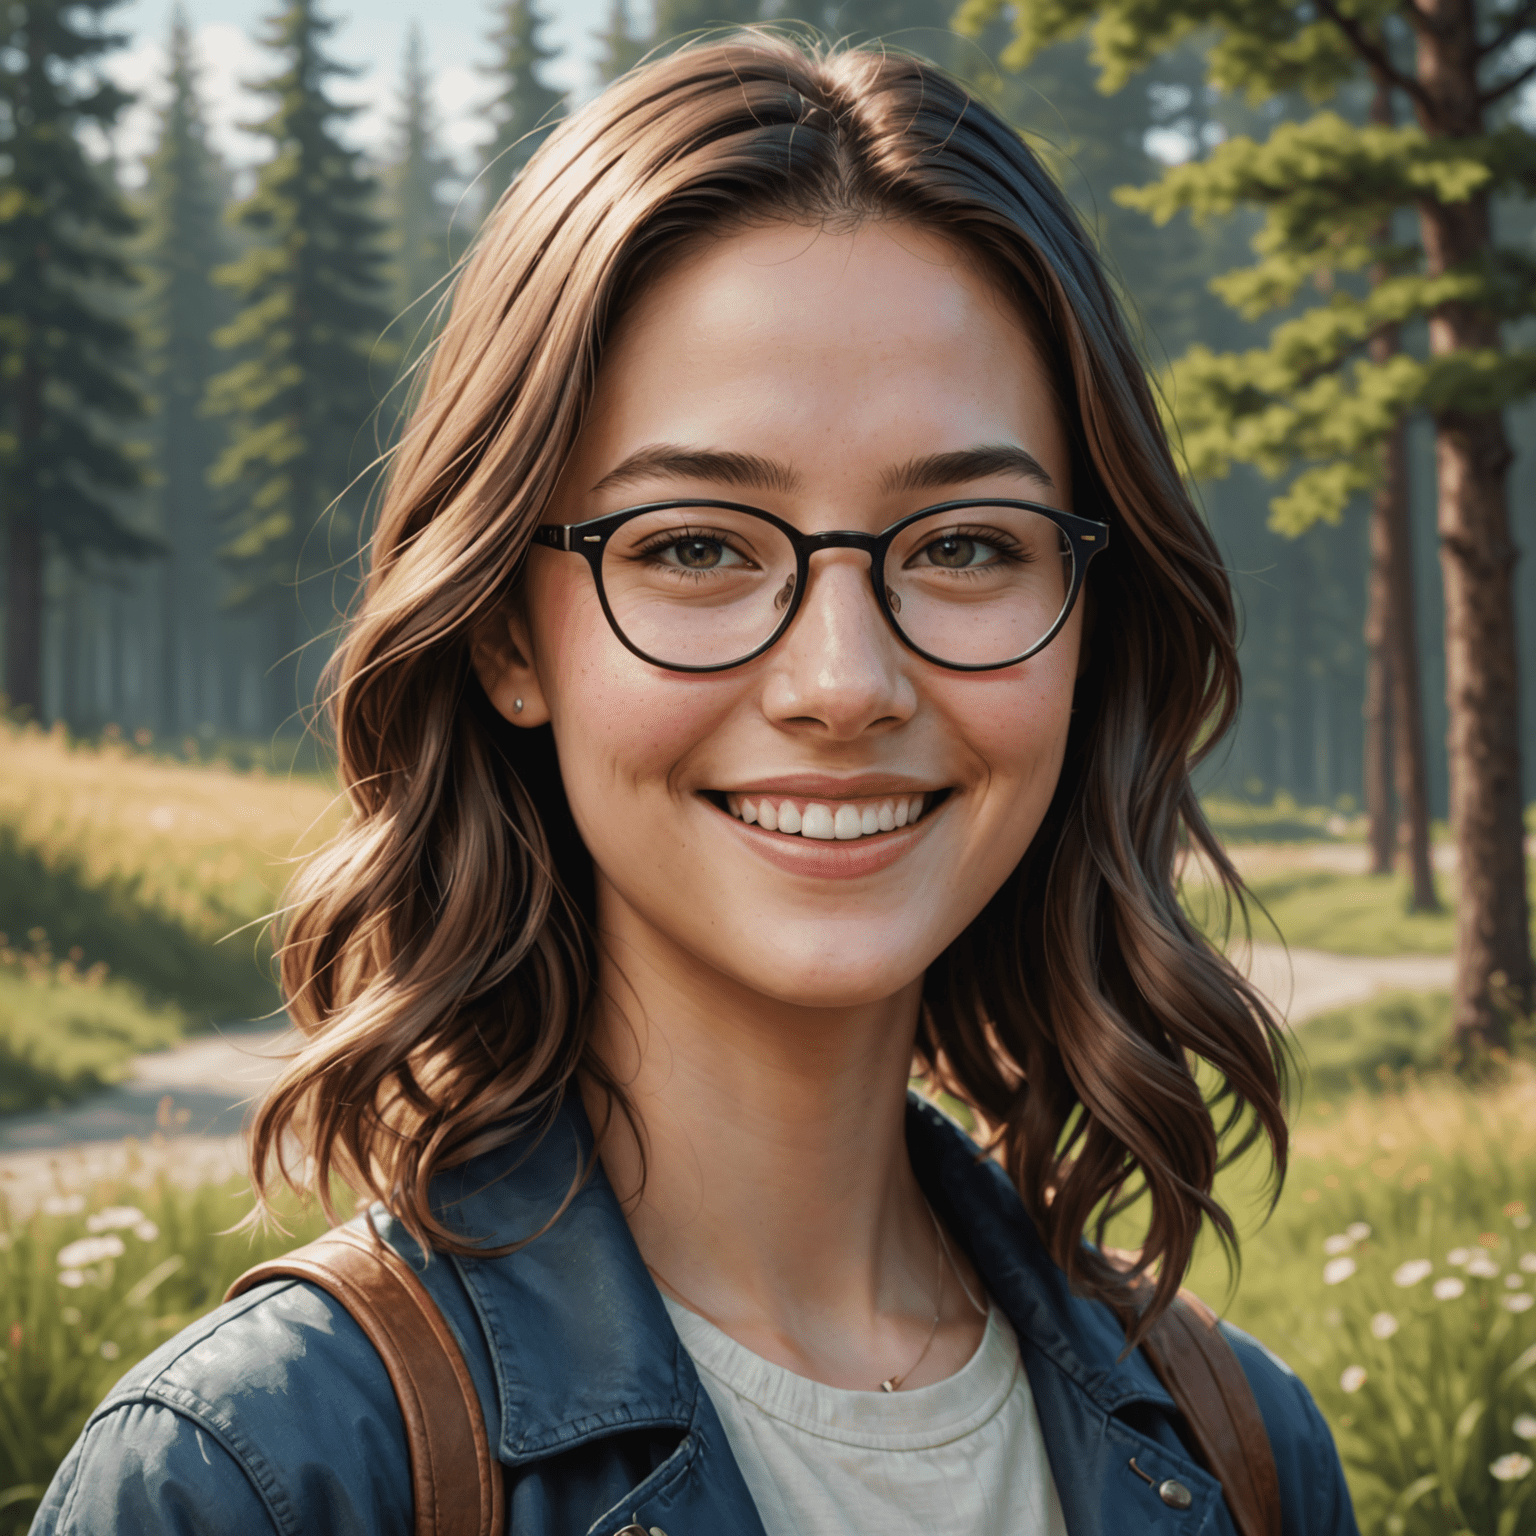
[(73, 1278), (1412, 1272), (109, 1350), (63, 1205), (1358, 1231), (1528, 1263), (1340, 1242), (146, 1231), (1523, 1220), (1336, 1270), (1519, 1301), (1514, 1282), (1482, 1266), (1353, 1378), (1458, 1256), (1449, 1288), (1384, 1325), (114, 1218), (90, 1250), (1525, 1426), (1511, 1468)]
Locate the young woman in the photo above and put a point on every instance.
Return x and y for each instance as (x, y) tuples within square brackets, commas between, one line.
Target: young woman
[(786, 645)]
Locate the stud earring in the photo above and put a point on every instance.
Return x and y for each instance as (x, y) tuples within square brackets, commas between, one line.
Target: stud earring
[(517, 706)]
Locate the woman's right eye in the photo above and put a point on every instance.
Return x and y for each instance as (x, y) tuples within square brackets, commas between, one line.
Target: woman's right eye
[(695, 552)]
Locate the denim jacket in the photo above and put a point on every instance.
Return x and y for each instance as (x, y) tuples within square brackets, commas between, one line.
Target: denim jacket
[(274, 1413)]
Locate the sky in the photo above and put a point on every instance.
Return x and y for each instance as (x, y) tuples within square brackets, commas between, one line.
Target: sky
[(371, 34)]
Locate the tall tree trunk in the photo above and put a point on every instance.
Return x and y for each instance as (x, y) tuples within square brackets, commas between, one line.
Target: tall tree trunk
[(1477, 562), (24, 615), (1379, 810), (1407, 702)]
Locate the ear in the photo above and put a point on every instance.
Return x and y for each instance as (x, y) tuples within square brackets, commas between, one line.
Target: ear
[(500, 652)]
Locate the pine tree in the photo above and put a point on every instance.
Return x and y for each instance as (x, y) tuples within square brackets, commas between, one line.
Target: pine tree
[(65, 356), (1327, 187), (420, 220), (312, 295), (185, 241), (620, 46), (524, 108)]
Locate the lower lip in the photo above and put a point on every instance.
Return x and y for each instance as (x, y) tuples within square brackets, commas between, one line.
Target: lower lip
[(829, 860)]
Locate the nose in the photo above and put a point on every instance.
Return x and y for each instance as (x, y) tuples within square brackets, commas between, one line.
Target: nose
[(839, 671)]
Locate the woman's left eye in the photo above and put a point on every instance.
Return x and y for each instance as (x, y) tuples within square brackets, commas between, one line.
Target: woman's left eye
[(961, 551)]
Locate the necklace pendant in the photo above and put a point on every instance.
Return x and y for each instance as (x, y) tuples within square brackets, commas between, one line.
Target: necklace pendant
[(889, 1384)]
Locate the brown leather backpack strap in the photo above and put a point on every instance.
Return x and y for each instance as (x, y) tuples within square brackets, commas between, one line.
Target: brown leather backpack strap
[(1205, 1378), (455, 1481)]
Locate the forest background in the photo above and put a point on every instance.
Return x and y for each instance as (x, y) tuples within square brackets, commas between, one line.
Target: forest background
[(189, 595)]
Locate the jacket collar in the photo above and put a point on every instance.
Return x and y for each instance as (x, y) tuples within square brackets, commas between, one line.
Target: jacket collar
[(581, 1340)]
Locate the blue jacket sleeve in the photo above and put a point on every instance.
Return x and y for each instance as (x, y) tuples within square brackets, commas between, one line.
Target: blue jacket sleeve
[(274, 1414)]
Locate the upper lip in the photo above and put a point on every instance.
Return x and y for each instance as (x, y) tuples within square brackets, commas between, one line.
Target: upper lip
[(822, 786)]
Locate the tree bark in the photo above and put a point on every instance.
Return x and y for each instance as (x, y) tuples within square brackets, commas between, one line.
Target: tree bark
[(1406, 703), (1379, 810), (1477, 561)]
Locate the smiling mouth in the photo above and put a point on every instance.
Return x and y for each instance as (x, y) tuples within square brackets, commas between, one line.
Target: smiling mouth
[(842, 821)]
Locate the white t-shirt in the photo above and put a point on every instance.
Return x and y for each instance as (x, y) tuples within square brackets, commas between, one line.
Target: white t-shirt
[(963, 1457)]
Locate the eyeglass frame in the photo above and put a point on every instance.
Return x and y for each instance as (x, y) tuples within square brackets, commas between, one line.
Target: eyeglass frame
[(1086, 537)]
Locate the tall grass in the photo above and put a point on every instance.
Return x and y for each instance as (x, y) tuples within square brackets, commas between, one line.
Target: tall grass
[(90, 1284), (1396, 1276)]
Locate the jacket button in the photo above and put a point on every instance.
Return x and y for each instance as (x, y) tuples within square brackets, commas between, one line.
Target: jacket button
[(1174, 1494)]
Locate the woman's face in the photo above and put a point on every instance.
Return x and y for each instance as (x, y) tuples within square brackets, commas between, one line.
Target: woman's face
[(839, 381)]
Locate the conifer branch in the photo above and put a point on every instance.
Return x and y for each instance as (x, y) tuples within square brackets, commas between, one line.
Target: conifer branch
[(1374, 54), (1487, 98), (1513, 26)]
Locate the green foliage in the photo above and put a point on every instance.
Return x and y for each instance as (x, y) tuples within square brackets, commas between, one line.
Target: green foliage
[(184, 240), (1280, 821), (65, 357), (68, 1331), (311, 290), (66, 1031), (524, 108)]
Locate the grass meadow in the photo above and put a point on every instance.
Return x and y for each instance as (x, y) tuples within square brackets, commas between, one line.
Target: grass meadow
[(1396, 1273), (133, 894)]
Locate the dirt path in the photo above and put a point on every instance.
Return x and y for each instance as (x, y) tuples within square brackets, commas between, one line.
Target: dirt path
[(182, 1109)]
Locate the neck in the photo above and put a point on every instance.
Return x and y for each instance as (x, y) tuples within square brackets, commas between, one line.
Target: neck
[(766, 1179)]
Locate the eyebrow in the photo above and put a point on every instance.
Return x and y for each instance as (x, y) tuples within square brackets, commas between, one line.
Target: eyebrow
[(750, 471), (725, 468), (966, 464)]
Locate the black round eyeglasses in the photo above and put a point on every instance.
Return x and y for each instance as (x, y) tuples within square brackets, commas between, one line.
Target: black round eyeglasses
[(701, 586)]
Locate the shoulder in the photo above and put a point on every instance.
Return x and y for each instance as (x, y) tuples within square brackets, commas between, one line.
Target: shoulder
[(1314, 1497), (272, 1413)]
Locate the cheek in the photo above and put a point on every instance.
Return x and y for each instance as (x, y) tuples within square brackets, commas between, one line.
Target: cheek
[(620, 724)]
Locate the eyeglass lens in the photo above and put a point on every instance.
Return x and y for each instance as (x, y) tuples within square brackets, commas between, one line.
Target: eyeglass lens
[(706, 586)]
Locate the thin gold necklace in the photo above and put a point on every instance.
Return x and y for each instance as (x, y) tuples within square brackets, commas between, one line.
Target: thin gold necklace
[(891, 1383)]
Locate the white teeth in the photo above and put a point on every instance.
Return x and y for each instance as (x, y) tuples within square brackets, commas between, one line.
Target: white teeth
[(817, 822), (845, 824)]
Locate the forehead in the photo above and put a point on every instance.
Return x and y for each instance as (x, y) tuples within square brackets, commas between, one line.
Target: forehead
[(825, 349)]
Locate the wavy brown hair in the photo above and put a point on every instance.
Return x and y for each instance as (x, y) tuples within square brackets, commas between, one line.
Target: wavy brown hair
[(437, 955)]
